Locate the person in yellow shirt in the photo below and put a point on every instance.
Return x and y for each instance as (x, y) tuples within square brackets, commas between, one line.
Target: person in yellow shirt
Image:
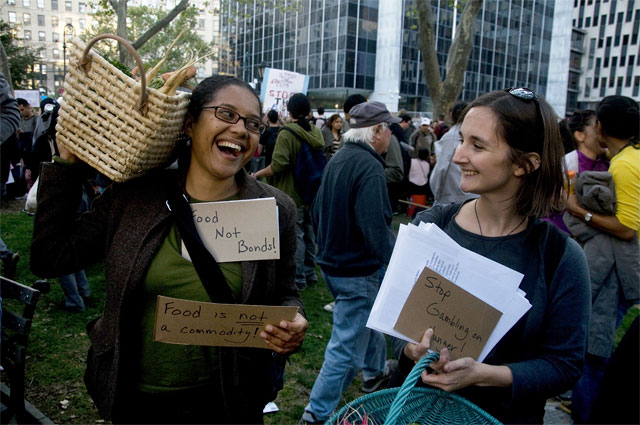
[(617, 127)]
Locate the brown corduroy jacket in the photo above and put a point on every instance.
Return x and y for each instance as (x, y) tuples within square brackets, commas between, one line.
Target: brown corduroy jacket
[(125, 227)]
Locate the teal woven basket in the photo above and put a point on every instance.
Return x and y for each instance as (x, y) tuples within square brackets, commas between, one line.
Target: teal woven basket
[(410, 404)]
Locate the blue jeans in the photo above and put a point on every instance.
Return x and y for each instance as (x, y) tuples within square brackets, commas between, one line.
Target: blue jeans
[(75, 287), (3, 248), (305, 248), (352, 346)]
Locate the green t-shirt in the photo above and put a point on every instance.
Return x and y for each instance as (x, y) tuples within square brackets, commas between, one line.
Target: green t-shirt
[(169, 367)]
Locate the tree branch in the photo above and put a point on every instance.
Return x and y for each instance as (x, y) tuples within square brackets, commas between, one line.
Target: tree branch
[(426, 33), (443, 94), (114, 4), (460, 50), (160, 24)]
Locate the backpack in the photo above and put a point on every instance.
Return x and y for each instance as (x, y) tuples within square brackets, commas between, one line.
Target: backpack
[(307, 172)]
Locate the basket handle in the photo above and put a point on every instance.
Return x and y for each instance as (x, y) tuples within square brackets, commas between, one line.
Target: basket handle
[(407, 386), (85, 62)]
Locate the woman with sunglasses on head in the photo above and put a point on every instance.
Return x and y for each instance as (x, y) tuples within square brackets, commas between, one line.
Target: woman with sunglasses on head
[(510, 154), (131, 377)]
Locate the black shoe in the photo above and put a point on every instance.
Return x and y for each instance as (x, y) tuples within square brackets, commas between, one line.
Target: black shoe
[(71, 309), (10, 263), (382, 381), (89, 301)]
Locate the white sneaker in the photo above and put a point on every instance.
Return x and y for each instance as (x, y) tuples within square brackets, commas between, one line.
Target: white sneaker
[(329, 307)]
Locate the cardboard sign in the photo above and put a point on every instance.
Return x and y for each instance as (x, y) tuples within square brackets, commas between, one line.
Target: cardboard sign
[(278, 85), (460, 321), (244, 230), (216, 325)]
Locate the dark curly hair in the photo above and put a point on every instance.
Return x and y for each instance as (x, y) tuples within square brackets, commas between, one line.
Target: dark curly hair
[(207, 90)]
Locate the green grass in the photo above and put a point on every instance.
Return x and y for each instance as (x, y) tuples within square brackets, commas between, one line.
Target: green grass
[(58, 343)]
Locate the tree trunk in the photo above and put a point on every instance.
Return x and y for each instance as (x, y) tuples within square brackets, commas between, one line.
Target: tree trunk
[(120, 7), (443, 94), (427, 36)]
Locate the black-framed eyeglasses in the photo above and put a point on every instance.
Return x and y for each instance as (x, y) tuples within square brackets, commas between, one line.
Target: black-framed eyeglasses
[(522, 93), (232, 117)]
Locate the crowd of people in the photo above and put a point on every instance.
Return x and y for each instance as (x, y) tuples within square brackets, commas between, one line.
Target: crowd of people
[(495, 175)]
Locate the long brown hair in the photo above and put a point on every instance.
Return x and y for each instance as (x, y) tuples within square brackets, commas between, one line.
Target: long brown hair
[(332, 119), (529, 125)]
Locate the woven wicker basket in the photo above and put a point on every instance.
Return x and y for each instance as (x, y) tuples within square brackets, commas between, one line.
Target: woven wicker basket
[(410, 404), (112, 122)]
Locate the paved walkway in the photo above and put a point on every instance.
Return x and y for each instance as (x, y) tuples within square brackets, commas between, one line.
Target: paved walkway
[(554, 415)]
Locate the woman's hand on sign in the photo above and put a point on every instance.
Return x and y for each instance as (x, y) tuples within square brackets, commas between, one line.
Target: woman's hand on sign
[(288, 336)]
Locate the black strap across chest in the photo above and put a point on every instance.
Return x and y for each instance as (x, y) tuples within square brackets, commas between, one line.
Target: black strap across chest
[(206, 266)]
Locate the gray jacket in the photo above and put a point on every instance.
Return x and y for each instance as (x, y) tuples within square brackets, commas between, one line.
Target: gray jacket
[(394, 170), (614, 264), (9, 112), (445, 176)]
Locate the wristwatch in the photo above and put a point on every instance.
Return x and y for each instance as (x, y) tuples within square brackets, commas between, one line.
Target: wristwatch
[(587, 217)]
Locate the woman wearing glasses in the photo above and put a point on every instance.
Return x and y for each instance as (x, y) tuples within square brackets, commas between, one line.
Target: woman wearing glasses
[(510, 154), (132, 378)]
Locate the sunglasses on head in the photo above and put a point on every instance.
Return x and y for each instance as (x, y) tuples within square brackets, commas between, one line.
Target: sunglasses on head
[(526, 94), (522, 93)]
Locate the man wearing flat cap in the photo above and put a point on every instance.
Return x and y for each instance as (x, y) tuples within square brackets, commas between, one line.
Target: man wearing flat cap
[(352, 219)]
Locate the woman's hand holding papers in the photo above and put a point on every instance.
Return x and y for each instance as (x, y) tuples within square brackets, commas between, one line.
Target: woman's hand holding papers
[(287, 337), (451, 375)]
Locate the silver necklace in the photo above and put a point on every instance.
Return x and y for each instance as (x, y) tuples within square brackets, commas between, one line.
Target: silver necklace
[(475, 209)]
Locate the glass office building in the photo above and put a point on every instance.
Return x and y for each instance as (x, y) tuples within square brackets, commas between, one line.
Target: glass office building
[(335, 42), (332, 41)]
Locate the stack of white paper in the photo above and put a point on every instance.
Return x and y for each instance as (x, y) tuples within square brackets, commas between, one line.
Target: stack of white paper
[(427, 245)]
